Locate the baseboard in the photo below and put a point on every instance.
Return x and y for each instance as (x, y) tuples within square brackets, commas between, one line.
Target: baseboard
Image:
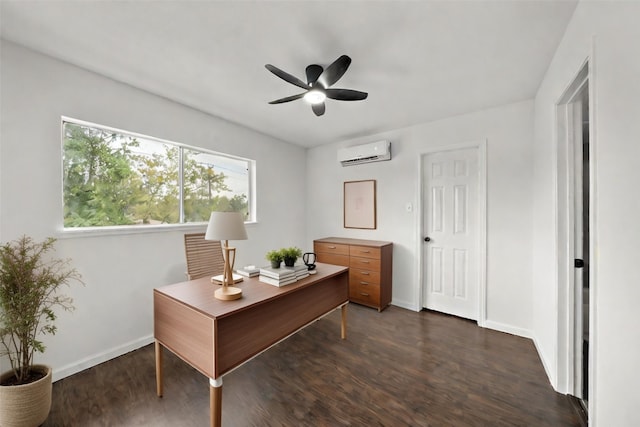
[(550, 377), (404, 304), (88, 362), (497, 326)]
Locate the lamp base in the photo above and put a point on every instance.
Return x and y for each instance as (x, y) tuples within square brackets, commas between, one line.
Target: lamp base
[(228, 293)]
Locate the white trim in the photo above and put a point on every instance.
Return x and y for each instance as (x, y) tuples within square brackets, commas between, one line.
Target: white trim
[(96, 359), (564, 237), (419, 249), (482, 232), (118, 230), (549, 372), (593, 236), (407, 305), (563, 380), (555, 250), (481, 146), (181, 186), (513, 330), (128, 229)]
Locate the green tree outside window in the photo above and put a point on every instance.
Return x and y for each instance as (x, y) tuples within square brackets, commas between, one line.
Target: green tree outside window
[(112, 179)]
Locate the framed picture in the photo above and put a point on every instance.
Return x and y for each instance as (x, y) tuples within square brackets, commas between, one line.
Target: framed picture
[(360, 204)]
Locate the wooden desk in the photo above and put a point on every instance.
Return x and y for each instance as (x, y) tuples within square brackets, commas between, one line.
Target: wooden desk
[(217, 336)]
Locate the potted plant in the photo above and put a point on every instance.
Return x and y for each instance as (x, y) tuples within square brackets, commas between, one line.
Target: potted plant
[(275, 257), (290, 255), (29, 285)]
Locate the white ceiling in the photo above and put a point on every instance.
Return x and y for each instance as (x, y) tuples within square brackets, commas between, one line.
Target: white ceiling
[(418, 60)]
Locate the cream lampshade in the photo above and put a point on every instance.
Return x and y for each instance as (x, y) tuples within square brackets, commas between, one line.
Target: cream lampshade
[(227, 226)]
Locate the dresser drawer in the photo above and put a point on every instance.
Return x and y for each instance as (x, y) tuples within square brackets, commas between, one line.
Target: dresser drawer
[(366, 294), (365, 263), (358, 276), (370, 265), (334, 259), (364, 252), (330, 248)]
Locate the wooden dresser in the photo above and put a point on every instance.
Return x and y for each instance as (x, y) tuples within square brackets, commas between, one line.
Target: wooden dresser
[(370, 267)]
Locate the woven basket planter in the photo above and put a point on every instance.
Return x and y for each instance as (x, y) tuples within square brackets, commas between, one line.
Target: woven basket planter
[(26, 405)]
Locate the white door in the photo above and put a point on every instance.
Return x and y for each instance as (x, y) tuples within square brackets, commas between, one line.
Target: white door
[(450, 201)]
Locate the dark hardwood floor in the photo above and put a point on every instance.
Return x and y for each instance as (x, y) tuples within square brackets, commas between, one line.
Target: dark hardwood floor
[(396, 368)]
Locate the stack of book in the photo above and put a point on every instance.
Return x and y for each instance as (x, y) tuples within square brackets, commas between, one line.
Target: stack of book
[(277, 276), (248, 271), (301, 271)]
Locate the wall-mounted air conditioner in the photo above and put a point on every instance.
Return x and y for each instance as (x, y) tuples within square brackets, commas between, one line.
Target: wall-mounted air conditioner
[(367, 153)]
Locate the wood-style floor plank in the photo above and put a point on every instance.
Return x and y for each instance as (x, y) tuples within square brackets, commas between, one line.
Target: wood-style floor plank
[(396, 368)]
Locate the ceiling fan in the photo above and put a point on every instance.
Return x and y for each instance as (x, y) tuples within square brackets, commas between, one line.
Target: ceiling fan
[(318, 85)]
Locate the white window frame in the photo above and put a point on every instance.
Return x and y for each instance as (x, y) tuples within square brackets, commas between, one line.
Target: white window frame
[(146, 228)]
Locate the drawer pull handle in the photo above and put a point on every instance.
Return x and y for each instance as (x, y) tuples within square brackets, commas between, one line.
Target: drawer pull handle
[(364, 294), (332, 247), (365, 252), (364, 262), (364, 273), (364, 283)]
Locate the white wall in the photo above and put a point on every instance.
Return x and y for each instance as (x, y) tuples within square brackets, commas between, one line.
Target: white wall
[(508, 131), (114, 310), (612, 29)]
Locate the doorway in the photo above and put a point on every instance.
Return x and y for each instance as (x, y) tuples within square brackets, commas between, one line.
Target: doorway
[(575, 167), (453, 224), (582, 236)]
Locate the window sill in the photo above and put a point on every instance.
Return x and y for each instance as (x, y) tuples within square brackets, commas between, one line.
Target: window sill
[(72, 233)]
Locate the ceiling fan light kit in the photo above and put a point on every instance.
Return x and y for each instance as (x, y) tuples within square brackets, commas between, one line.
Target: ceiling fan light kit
[(318, 85), (315, 96)]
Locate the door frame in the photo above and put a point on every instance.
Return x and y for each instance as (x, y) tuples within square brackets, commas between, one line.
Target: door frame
[(481, 146), (565, 236)]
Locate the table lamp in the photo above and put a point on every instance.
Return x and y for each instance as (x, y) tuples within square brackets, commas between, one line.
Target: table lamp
[(227, 226)]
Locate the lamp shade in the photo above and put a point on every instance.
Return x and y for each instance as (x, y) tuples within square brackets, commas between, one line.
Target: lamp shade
[(226, 226)]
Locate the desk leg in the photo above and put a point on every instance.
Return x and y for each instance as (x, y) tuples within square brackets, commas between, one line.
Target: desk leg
[(343, 326), (158, 369), (215, 402)]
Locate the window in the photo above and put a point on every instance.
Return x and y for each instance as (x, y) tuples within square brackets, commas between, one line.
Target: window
[(116, 178)]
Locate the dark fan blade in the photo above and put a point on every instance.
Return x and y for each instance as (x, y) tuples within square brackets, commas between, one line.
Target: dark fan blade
[(345, 94), (287, 99), (334, 71), (318, 108), (313, 72), (287, 77)]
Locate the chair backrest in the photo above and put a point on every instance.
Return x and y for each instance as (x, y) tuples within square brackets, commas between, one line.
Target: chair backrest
[(204, 257)]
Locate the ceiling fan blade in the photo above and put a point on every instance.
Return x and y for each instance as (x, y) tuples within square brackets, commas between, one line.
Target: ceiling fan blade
[(318, 109), (313, 71), (287, 99), (334, 71), (346, 94), (286, 76)]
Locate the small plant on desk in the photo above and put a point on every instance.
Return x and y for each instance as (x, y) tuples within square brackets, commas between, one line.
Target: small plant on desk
[(275, 257), (290, 255)]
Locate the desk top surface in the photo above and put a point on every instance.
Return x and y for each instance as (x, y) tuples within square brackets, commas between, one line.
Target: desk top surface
[(199, 294)]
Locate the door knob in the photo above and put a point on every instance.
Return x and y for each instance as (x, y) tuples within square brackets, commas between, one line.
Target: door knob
[(427, 239)]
